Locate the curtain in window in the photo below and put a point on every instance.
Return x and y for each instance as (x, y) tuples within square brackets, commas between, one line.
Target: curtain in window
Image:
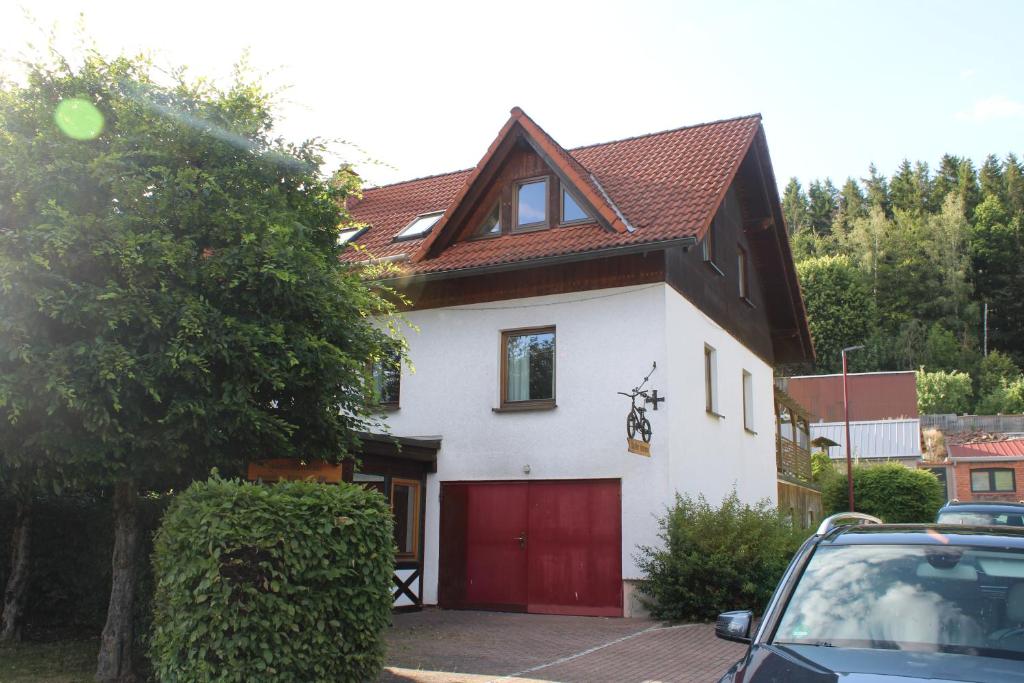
[(518, 368)]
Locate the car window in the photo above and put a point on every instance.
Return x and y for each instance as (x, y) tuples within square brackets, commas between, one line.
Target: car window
[(932, 598), (981, 518)]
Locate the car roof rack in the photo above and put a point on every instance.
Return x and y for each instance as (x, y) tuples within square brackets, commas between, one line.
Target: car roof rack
[(830, 523)]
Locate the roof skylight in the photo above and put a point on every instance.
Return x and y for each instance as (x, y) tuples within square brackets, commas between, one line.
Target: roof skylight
[(420, 226), (346, 236)]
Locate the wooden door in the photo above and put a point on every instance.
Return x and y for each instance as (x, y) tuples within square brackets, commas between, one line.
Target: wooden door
[(575, 561), (483, 545), (551, 547)]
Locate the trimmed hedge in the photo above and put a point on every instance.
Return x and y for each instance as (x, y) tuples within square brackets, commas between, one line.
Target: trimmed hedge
[(890, 491), (716, 559), (282, 582)]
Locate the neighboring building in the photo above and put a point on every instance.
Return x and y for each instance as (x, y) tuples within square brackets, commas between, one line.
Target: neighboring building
[(873, 395), (970, 436), (798, 495), (884, 424), (992, 470), (541, 283)]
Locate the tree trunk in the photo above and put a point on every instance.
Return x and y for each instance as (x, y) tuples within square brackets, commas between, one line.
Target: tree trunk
[(115, 658), (17, 582)]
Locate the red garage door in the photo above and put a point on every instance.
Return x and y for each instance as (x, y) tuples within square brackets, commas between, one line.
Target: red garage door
[(550, 547)]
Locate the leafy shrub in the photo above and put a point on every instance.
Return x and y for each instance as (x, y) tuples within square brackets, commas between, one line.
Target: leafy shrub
[(282, 582), (716, 558), (890, 491), (943, 392), (822, 467)]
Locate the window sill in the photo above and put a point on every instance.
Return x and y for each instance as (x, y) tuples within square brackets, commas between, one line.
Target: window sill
[(712, 413), (388, 407), (750, 431), (524, 407), (712, 266)]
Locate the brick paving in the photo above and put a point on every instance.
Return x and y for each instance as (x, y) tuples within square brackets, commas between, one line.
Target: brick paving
[(436, 646)]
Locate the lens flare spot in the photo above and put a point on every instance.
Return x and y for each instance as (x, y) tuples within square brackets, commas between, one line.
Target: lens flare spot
[(79, 119)]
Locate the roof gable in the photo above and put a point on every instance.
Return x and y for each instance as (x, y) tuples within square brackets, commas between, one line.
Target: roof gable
[(519, 128)]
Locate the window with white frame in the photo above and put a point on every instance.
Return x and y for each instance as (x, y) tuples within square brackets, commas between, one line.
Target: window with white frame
[(748, 401), (710, 380)]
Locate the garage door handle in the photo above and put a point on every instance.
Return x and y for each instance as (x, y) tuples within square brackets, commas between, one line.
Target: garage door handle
[(522, 539)]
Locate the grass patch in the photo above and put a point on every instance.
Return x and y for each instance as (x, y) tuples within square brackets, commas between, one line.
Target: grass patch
[(65, 661)]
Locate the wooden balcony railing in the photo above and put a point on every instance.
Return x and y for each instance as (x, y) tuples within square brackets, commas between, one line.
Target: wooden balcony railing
[(792, 460)]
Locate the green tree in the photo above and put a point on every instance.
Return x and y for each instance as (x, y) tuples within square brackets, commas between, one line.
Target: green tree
[(947, 179), (967, 186), (996, 247), (877, 190), (904, 192), (795, 207), (1007, 398), (822, 206), (995, 369), (990, 179), (851, 205), (943, 392), (1013, 178), (172, 296), (839, 307)]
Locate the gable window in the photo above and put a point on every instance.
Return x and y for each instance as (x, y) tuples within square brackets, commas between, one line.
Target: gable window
[(531, 203), (491, 224), (993, 480), (528, 368), (572, 212), (741, 264), (710, 380), (387, 381), (420, 225), (748, 401)]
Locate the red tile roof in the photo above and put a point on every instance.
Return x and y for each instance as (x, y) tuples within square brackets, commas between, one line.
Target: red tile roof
[(666, 185), (1010, 447)]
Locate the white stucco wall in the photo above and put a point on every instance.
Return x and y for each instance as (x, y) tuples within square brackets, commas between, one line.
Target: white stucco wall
[(605, 342)]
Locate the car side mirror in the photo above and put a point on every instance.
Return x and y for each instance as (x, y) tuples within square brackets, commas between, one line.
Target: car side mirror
[(734, 626)]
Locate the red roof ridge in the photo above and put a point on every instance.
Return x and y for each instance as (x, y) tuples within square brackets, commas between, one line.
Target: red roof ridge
[(417, 179), (755, 115)]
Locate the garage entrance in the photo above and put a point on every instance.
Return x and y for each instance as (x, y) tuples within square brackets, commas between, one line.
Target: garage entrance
[(547, 547)]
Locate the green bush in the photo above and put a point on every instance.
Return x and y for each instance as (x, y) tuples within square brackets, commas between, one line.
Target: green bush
[(890, 491), (716, 558), (282, 582)]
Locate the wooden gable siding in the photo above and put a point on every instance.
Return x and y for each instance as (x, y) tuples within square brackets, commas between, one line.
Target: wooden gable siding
[(617, 271), (717, 294), (520, 164)]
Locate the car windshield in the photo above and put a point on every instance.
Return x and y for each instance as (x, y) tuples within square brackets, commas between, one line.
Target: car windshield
[(982, 518), (930, 598)]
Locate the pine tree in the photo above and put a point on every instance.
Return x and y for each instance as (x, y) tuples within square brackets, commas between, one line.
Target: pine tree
[(821, 206), (923, 186), (903, 189), (794, 207), (851, 205), (1013, 179), (990, 179), (877, 190), (947, 178), (967, 186)]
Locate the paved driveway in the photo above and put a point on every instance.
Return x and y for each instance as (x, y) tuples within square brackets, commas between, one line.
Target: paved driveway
[(466, 646)]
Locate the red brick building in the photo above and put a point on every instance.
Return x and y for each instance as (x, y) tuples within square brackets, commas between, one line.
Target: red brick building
[(987, 471)]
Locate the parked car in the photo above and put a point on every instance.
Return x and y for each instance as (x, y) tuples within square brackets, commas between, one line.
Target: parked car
[(985, 514), (872, 601)]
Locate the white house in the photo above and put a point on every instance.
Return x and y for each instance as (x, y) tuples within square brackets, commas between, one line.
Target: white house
[(543, 282)]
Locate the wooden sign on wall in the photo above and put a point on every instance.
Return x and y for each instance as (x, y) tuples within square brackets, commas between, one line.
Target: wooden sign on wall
[(639, 447)]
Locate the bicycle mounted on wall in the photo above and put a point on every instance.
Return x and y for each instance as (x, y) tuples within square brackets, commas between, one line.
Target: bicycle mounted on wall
[(636, 421)]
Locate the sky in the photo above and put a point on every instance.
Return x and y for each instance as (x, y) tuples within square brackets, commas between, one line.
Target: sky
[(423, 87)]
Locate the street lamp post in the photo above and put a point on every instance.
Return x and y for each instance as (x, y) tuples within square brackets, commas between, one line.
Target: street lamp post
[(846, 410)]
